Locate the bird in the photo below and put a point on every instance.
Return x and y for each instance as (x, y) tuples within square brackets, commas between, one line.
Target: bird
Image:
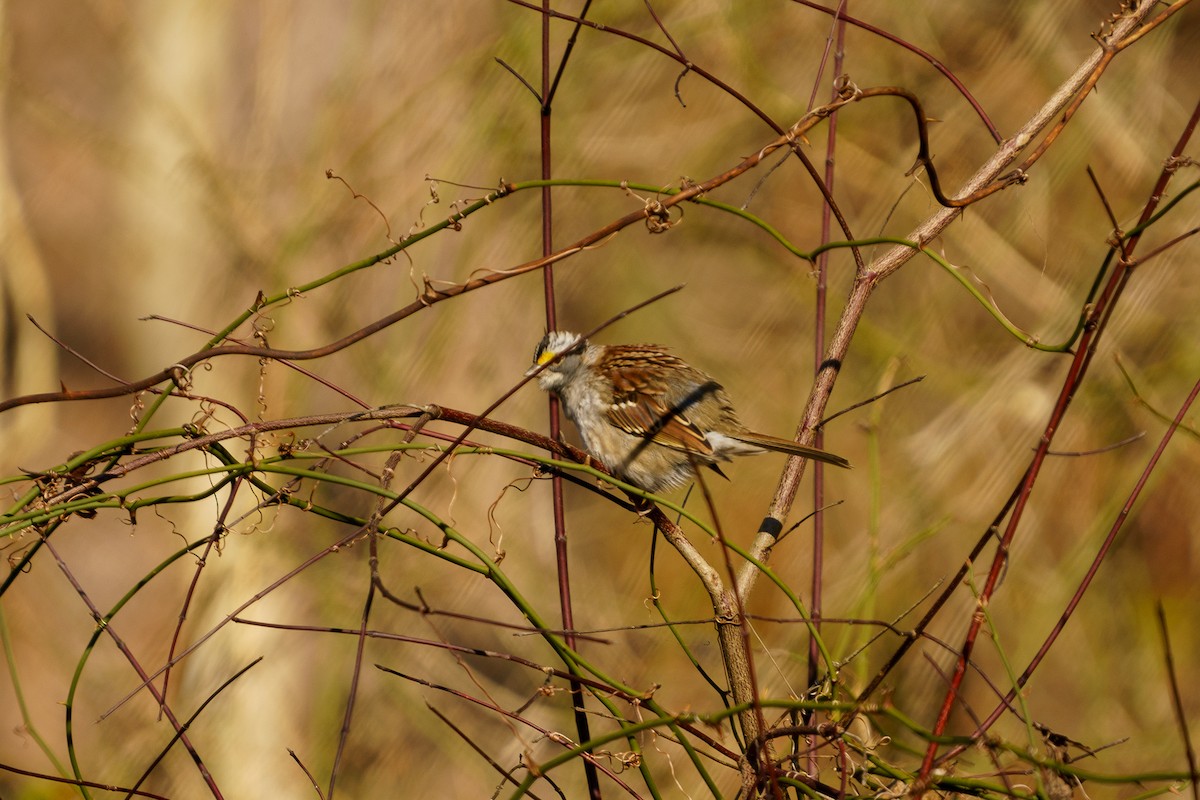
[(647, 415)]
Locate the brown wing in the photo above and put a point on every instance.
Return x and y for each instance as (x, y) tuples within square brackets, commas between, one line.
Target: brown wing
[(644, 405)]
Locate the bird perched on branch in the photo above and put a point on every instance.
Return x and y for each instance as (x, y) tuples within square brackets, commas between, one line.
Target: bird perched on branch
[(647, 415)]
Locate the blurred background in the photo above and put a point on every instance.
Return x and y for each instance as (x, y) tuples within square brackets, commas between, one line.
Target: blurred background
[(169, 160)]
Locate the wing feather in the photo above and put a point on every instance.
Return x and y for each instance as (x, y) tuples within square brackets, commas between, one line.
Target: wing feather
[(644, 405)]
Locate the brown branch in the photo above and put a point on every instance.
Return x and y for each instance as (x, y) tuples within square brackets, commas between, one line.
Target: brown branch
[(840, 15), (430, 295), (1177, 701), (1100, 313), (891, 261)]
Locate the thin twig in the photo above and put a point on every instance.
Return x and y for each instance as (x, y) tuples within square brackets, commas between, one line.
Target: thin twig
[(1177, 700)]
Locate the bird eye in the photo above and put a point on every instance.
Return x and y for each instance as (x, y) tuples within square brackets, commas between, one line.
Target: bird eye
[(554, 344)]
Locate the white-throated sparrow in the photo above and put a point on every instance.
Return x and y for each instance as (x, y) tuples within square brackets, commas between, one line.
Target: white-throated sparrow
[(647, 415)]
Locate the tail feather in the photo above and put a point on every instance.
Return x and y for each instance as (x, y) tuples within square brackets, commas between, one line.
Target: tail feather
[(791, 448)]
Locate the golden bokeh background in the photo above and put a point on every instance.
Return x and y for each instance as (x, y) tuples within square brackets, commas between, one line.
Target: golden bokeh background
[(170, 159)]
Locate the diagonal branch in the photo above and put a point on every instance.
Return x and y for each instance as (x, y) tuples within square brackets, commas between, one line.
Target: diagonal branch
[(990, 174)]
